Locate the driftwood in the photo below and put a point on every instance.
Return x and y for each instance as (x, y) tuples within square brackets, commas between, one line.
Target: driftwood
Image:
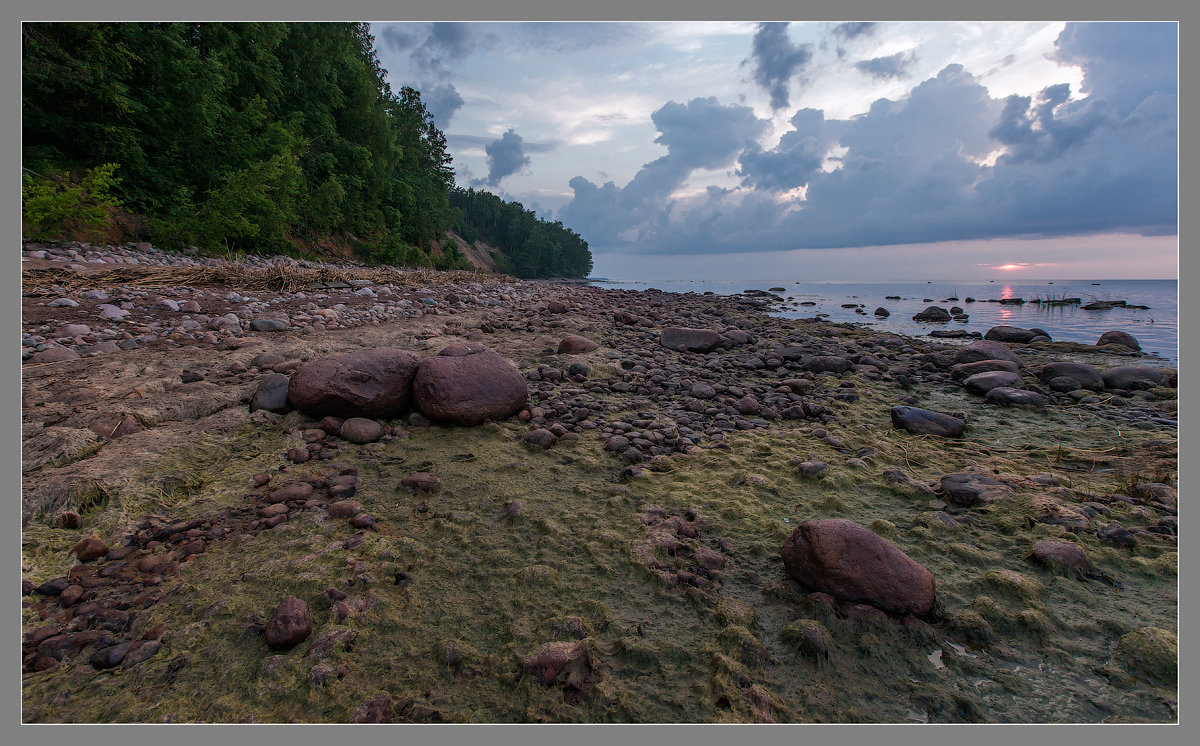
[(52, 280)]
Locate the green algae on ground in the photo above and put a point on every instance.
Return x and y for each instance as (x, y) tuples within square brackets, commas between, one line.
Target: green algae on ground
[(484, 590)]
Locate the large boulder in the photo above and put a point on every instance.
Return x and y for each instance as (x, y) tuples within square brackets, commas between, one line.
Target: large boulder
[(693, 340), (1084, 374), (1134, 377), (966, 370), (467, 384), (932, 313), (369, 383), (1010, 397), (981, 383), (1119, 338), (290, 624), (852, 563), (573, 344), (272, 394), (969, 489), (1005, 333), (985, 349), (923, 421)]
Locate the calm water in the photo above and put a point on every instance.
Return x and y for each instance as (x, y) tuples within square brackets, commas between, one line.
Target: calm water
[(1156, 328)]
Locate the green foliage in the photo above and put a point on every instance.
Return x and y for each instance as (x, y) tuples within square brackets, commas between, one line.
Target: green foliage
[(532, 247), (257, 137), (55, 209)]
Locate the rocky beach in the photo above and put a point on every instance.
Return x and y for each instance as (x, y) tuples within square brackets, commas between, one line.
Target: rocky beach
[(281, 490)]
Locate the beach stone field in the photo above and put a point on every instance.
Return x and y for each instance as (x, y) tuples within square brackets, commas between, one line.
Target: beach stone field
[(282, 490)]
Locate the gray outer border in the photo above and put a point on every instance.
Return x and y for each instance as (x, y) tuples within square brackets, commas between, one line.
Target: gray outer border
[(624, 10)]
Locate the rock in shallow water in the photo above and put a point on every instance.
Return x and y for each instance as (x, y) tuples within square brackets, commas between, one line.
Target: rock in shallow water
[(852, 563)]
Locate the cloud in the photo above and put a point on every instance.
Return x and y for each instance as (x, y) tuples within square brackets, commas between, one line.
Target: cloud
[(946, 162), (505, 157), (895, 66), (854, 29), (701, 134), (777, 60), (442, 101)]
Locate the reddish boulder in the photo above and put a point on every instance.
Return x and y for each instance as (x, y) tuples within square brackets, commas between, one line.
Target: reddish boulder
[(694, 340), (573, 344), (467, 384), (290, 624), (89, 549), (852, 563), (420, 482), (559, 662), (374, 383), (1059, 553)]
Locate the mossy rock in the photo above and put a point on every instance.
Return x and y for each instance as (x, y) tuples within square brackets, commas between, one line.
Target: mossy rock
[(732, 611), (1151, 652), (883, 527), (809, 637)]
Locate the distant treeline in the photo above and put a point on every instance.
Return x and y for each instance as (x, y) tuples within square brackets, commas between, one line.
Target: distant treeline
[(247, 137), (532, 247)]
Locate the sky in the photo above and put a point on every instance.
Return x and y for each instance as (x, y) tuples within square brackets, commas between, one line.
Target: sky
[(819, 151)]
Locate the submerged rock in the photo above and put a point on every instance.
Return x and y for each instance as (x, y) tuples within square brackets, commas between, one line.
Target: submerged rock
[(852, 563)]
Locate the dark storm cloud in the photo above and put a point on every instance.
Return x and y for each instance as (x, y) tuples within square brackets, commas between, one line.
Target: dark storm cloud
[(445, 44), (442, 101), (777, 60), (1044, 131), (945, 162), (893, 66), (505, 157), (854, 29), (799, 155)]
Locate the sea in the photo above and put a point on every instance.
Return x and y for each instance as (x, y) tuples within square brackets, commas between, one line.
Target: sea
[(1155, 327)]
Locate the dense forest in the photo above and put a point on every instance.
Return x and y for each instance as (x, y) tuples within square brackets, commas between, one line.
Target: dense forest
[(250, 137), (532, 247)]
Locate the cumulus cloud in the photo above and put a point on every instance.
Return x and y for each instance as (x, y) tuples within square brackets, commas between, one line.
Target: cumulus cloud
[(777, 60), (442, 101), (505, 157), (894, 66), (944, 162)]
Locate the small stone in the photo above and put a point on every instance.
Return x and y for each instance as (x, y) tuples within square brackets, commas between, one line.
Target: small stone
[(420, 482), (345, 508), (543, 439), (361, 430)]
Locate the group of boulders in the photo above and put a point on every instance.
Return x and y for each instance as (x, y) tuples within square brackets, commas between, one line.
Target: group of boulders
[(464, 384)]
